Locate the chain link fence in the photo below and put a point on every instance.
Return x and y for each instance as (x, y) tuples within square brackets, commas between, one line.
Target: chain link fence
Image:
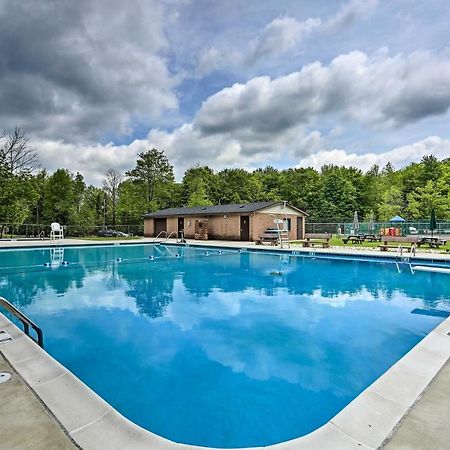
[(40, 231), (419, 227)]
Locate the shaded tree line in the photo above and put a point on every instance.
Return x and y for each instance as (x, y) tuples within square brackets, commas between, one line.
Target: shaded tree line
[(29, 194)]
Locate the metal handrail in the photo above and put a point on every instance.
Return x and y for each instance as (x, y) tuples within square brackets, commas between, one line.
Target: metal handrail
[(26, 322), (170, 234), (159, 234)]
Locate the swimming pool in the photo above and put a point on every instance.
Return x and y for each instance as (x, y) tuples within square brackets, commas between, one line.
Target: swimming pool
[(222, 349)]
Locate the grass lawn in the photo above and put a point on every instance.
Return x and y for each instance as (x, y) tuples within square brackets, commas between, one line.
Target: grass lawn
[(337, 242)]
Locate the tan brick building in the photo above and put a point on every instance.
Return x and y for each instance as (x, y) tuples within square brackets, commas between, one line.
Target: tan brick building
[(237, 222)]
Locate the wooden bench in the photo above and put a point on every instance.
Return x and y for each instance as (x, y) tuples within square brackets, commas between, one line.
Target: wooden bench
[(394, 241), (316, 239)]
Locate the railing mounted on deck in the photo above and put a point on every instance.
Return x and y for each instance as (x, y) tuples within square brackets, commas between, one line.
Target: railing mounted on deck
[(26, 322)]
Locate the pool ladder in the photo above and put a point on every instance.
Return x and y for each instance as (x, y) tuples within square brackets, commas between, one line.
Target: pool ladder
[(26, 322), (406, 259), (167, 236)]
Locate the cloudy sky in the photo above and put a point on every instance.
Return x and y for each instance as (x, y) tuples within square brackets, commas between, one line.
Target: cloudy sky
[(227, 83)]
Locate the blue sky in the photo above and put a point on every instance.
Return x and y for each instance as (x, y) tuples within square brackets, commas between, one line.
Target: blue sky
[(228, 84)]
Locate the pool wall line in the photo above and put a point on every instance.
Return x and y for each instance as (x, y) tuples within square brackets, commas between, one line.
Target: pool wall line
[(366, 423), (332, 252)]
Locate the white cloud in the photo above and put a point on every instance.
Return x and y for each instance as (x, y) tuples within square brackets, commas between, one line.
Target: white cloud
[(349, 86), (281, 35), (267, 119), (210, 60), (351, 12), (92, 161), (286, 33), (399, 157)]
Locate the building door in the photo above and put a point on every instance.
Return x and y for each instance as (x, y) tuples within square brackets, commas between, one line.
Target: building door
[(300, 234), (180, 225), (160, 225), (245, 228)]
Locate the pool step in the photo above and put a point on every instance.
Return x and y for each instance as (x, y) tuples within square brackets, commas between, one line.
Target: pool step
[(431, 312), (431, 269)]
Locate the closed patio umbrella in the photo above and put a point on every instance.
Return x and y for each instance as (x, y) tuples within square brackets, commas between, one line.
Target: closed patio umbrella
[(355, 224), (433, 225), (371, 224)]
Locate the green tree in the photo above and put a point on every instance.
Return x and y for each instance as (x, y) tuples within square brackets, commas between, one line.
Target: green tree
[(60, 198), (238, 186), (132, 204), (17, 196), (91, 210), (39, 181), (340, 197), (303, 188), (430, 169), (152, 169), (198, 195), (424, 199), (111, 184), (194, 176), (78, 190), (391, 203), (270, 180)]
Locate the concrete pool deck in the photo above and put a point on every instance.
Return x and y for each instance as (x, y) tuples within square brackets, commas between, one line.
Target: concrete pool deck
[(406, 408), (25, 423)]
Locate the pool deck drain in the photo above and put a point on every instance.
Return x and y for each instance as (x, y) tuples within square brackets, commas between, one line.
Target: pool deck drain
[(412, 398)]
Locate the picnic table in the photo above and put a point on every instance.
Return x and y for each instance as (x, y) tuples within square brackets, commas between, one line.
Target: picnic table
[(316, 240), (360, 238), (372, 238), (268, 237), (432, 242)]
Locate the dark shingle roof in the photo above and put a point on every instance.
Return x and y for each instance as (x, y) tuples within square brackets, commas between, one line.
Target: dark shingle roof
[(212, 210)]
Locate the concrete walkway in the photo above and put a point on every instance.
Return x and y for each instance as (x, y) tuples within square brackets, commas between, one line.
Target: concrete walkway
[(427, 426), (24, 422)]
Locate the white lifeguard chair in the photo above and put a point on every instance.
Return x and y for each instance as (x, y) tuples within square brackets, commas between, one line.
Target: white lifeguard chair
[(56, 233)]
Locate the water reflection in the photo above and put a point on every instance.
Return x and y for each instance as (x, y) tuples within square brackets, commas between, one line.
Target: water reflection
[(151, 283)]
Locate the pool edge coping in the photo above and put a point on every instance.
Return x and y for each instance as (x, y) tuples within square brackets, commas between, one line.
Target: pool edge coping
[(367, 421)]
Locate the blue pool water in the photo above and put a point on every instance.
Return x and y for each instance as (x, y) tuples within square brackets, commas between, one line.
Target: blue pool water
[(225, 350)]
